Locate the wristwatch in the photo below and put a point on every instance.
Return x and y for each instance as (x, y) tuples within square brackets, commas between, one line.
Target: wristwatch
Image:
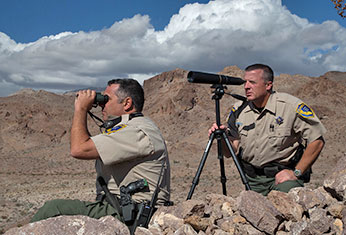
[(297, 173)]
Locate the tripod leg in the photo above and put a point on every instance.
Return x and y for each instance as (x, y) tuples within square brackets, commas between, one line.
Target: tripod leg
[(222, 165), (236, 162), (200, 167)]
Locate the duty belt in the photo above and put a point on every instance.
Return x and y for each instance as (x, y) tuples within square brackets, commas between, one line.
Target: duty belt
[(269, 171)]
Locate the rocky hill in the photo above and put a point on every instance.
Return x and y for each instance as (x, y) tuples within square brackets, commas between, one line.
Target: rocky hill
[(35, 128)]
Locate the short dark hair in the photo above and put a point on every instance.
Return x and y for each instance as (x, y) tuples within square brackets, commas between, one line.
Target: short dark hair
[(268, 74), (129, 87)]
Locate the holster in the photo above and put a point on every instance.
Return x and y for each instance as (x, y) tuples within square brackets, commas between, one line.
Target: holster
[(129, 212)]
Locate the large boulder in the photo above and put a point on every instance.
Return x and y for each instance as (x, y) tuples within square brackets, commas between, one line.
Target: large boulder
[(71, 225)]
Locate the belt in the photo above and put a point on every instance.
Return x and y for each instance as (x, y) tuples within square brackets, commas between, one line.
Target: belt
[(269, 171)]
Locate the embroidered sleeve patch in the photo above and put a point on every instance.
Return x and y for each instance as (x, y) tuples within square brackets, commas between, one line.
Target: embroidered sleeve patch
[(305, 111), (230, 114), (114, 129), (232, 111)]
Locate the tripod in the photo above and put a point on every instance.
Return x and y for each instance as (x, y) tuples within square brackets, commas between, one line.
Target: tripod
[(219, 135)]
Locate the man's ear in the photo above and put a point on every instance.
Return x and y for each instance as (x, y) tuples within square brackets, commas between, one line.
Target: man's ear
[(269, 85), (128, 104)]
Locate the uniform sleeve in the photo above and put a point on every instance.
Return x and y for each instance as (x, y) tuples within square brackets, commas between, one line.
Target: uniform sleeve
[(308, 124), (124, 143), (232, 127), (237, 108)]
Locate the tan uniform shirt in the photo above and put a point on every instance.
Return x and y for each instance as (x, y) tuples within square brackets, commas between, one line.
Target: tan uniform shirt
[(132, 150), (274, 134)]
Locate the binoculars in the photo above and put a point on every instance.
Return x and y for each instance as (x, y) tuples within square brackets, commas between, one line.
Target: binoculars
[(100, 99)]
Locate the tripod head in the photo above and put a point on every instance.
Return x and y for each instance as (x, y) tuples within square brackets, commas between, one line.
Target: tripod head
[(218, 94), (219, 91)]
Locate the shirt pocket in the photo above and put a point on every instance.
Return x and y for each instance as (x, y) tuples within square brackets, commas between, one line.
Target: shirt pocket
[(243, 134), (279, 137), (243, 131)]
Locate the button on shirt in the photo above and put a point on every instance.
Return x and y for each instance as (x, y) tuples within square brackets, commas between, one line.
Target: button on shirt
[(274, 134)]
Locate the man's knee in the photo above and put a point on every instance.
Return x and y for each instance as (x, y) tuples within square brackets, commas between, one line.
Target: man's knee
[(53, 204), (49, 209), (58, 207), (287, 185)]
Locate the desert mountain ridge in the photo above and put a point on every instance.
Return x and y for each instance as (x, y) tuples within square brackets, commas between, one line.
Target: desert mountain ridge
[(35, 129)]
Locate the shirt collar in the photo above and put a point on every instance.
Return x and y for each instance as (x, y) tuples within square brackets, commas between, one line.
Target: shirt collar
[(271, 103), (125, 118), (270, 106)]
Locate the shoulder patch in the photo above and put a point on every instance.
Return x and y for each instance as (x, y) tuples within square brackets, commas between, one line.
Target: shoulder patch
[(305, 111), (232, 111), (114, 129)]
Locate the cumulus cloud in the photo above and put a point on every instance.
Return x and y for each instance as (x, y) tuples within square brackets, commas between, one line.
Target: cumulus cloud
[(205, 37)]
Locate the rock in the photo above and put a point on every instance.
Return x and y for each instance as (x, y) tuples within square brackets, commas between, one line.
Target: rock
[(344, 219), (247, 229), (286, 205), (301, 211), (71, 225), (319, 221), (327, 197), (185, 230), (227, 225), (219, 206), (155, 230), (337, 227), (261, 214), (186, 208), (308, 198), (165, 221), (335, 184), (336, 209), (174, 217), (220, 232), (143, 231), (197, 222)]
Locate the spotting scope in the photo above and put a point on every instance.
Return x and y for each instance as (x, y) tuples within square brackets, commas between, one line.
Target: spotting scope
[(208, 78)]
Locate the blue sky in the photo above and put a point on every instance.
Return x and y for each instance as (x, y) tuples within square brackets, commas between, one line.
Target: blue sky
[(27, 21), (65, 44)]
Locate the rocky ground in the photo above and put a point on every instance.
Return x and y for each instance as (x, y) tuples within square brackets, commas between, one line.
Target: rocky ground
[(35, 128)]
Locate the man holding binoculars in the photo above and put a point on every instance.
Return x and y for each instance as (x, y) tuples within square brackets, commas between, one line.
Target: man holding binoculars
[(129, 150)]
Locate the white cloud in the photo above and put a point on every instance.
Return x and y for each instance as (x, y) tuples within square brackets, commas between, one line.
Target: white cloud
[(205, 37), (8, 46)]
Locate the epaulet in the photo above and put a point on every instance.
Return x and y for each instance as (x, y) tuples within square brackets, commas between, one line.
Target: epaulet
[(305, 111)]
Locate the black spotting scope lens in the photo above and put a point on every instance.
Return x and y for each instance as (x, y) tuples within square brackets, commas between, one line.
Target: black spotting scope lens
[(100, 99), (208, 78)]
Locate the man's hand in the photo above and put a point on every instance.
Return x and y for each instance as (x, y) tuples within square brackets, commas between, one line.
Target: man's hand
[(234, 143), (84, 100), (284, 175), (82, 147), (310, 155), (215, 127)]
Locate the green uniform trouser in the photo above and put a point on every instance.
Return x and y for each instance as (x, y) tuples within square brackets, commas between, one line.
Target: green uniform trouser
[(58, 207), (263, 184)]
